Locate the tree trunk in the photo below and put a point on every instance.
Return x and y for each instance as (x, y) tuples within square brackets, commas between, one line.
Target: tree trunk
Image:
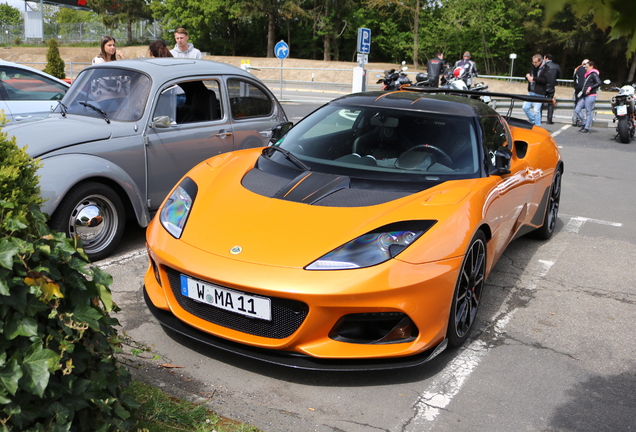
[(632, 70), (327, 48), (271, 34), (129, 30), (416, 34)]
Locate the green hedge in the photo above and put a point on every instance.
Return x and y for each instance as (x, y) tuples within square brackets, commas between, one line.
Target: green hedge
[(58, 370)]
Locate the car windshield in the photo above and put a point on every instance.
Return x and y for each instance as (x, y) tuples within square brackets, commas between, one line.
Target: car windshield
[(389, 142), (114, 94)]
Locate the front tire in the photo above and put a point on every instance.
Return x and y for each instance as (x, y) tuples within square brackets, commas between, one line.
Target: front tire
[(468, 291), (95, 213), (623, 130)]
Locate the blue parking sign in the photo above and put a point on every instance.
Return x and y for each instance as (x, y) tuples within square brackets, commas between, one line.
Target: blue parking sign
[(281, 50), (364, 40)]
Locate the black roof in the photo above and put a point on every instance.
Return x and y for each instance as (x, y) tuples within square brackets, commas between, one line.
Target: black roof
[(416, 101)]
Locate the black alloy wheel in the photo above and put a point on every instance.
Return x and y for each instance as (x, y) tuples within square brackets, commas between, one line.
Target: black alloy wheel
[(468, 291), (552, 211)]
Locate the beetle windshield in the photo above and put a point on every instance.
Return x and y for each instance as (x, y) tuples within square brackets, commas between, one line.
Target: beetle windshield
[(389, 142), (119, 93)]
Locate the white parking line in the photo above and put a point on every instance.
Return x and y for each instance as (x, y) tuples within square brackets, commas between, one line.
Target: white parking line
[(561, 130), (121, 259), (576, 222)]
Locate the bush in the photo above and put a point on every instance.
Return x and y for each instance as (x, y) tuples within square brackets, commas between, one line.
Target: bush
[(54, 63), (58, 370)]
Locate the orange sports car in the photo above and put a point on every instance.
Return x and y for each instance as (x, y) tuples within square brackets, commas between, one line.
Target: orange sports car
[(360, 239)]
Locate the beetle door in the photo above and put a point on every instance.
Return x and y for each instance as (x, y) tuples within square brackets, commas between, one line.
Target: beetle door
[(189, 124)]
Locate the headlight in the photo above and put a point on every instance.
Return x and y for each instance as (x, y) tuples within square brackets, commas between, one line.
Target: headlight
[(374, 247), (174, 213)]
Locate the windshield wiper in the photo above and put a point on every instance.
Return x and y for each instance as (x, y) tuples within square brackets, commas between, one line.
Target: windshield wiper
[(63, 108), (290, 157), (86, 104)]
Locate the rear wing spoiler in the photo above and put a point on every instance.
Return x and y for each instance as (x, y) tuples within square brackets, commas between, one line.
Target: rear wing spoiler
[(512, 97)]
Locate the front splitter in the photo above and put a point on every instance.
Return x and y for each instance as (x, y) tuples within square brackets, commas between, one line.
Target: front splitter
[(290, 359)]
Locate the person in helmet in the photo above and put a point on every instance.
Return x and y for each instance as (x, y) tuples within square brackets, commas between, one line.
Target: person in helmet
[(470, 68)]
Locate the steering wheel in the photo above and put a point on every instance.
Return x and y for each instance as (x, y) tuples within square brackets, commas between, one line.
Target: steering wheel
[(444, 158)]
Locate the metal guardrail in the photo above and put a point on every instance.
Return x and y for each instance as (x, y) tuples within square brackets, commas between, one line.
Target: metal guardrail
[(71, 70)]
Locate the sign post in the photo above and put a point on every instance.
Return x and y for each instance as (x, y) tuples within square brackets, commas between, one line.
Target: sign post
[(512, 65), (364, 47), (281, 50)]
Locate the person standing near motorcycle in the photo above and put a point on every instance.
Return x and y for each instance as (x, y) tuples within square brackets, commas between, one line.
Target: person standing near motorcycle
[(579, 78), (470, 68), (588, 96), (436, 67), (554, 73), (537, 80)]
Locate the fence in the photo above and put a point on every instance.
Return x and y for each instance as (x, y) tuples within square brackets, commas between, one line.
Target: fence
[(80, 33)]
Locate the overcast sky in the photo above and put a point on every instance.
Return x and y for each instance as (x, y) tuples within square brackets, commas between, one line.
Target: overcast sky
[(19, 4)]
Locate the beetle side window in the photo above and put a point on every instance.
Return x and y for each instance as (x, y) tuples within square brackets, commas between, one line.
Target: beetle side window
[(26, 85), (247, 100), (190, 102), (495, 135)]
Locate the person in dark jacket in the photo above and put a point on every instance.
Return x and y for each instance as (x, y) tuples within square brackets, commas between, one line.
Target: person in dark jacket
[(579, 78), (554, 73), (436, 67), (537, 80), (588, 96)]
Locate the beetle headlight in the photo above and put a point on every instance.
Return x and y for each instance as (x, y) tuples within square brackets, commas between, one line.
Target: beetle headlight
[(374, 247), (174, 213)]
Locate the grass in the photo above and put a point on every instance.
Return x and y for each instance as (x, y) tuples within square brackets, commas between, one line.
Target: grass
[(160, 412)]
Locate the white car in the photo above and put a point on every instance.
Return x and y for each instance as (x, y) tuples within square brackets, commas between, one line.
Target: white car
[(27, 93)]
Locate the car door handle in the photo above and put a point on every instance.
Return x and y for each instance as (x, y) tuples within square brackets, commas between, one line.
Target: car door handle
[(223, 134), (18, 118)]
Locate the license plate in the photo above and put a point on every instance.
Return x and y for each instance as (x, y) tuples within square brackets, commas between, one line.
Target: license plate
[(227, 299), (621, 110)]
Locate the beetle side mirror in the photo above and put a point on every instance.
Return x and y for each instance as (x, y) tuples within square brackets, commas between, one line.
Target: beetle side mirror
[(280, 130), (161, 122), (503, 156)]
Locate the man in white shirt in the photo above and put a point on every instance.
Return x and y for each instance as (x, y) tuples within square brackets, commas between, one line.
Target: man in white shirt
[(183, 48)]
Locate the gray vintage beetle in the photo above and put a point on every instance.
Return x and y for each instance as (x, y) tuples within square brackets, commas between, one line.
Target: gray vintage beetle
[(127, 131)]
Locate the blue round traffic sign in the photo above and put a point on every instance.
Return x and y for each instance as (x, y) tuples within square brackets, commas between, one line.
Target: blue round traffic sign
[(281, 50)]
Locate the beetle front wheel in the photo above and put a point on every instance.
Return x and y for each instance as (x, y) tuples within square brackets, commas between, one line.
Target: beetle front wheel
[(95, 213)]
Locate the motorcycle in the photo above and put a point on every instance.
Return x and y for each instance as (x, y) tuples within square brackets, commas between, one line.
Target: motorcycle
[(422, 80), (393, 80), (623, 109), (453, 80)]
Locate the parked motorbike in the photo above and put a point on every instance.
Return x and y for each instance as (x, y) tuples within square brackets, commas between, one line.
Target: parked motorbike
[(394, 80), (422, 80), (453, 80), (623, 109)]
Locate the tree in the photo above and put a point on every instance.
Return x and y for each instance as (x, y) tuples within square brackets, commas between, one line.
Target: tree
[(213, 25), (54, 63), (617, 16), (115, 12), (9, 15), (409, 10)]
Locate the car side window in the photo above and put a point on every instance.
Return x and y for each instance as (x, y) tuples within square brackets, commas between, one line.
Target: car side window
[(495, 135), (190, 102), (26, 85), (247, 100)]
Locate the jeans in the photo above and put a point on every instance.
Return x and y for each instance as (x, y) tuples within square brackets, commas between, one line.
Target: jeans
[(535, 117), (586, 102)]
